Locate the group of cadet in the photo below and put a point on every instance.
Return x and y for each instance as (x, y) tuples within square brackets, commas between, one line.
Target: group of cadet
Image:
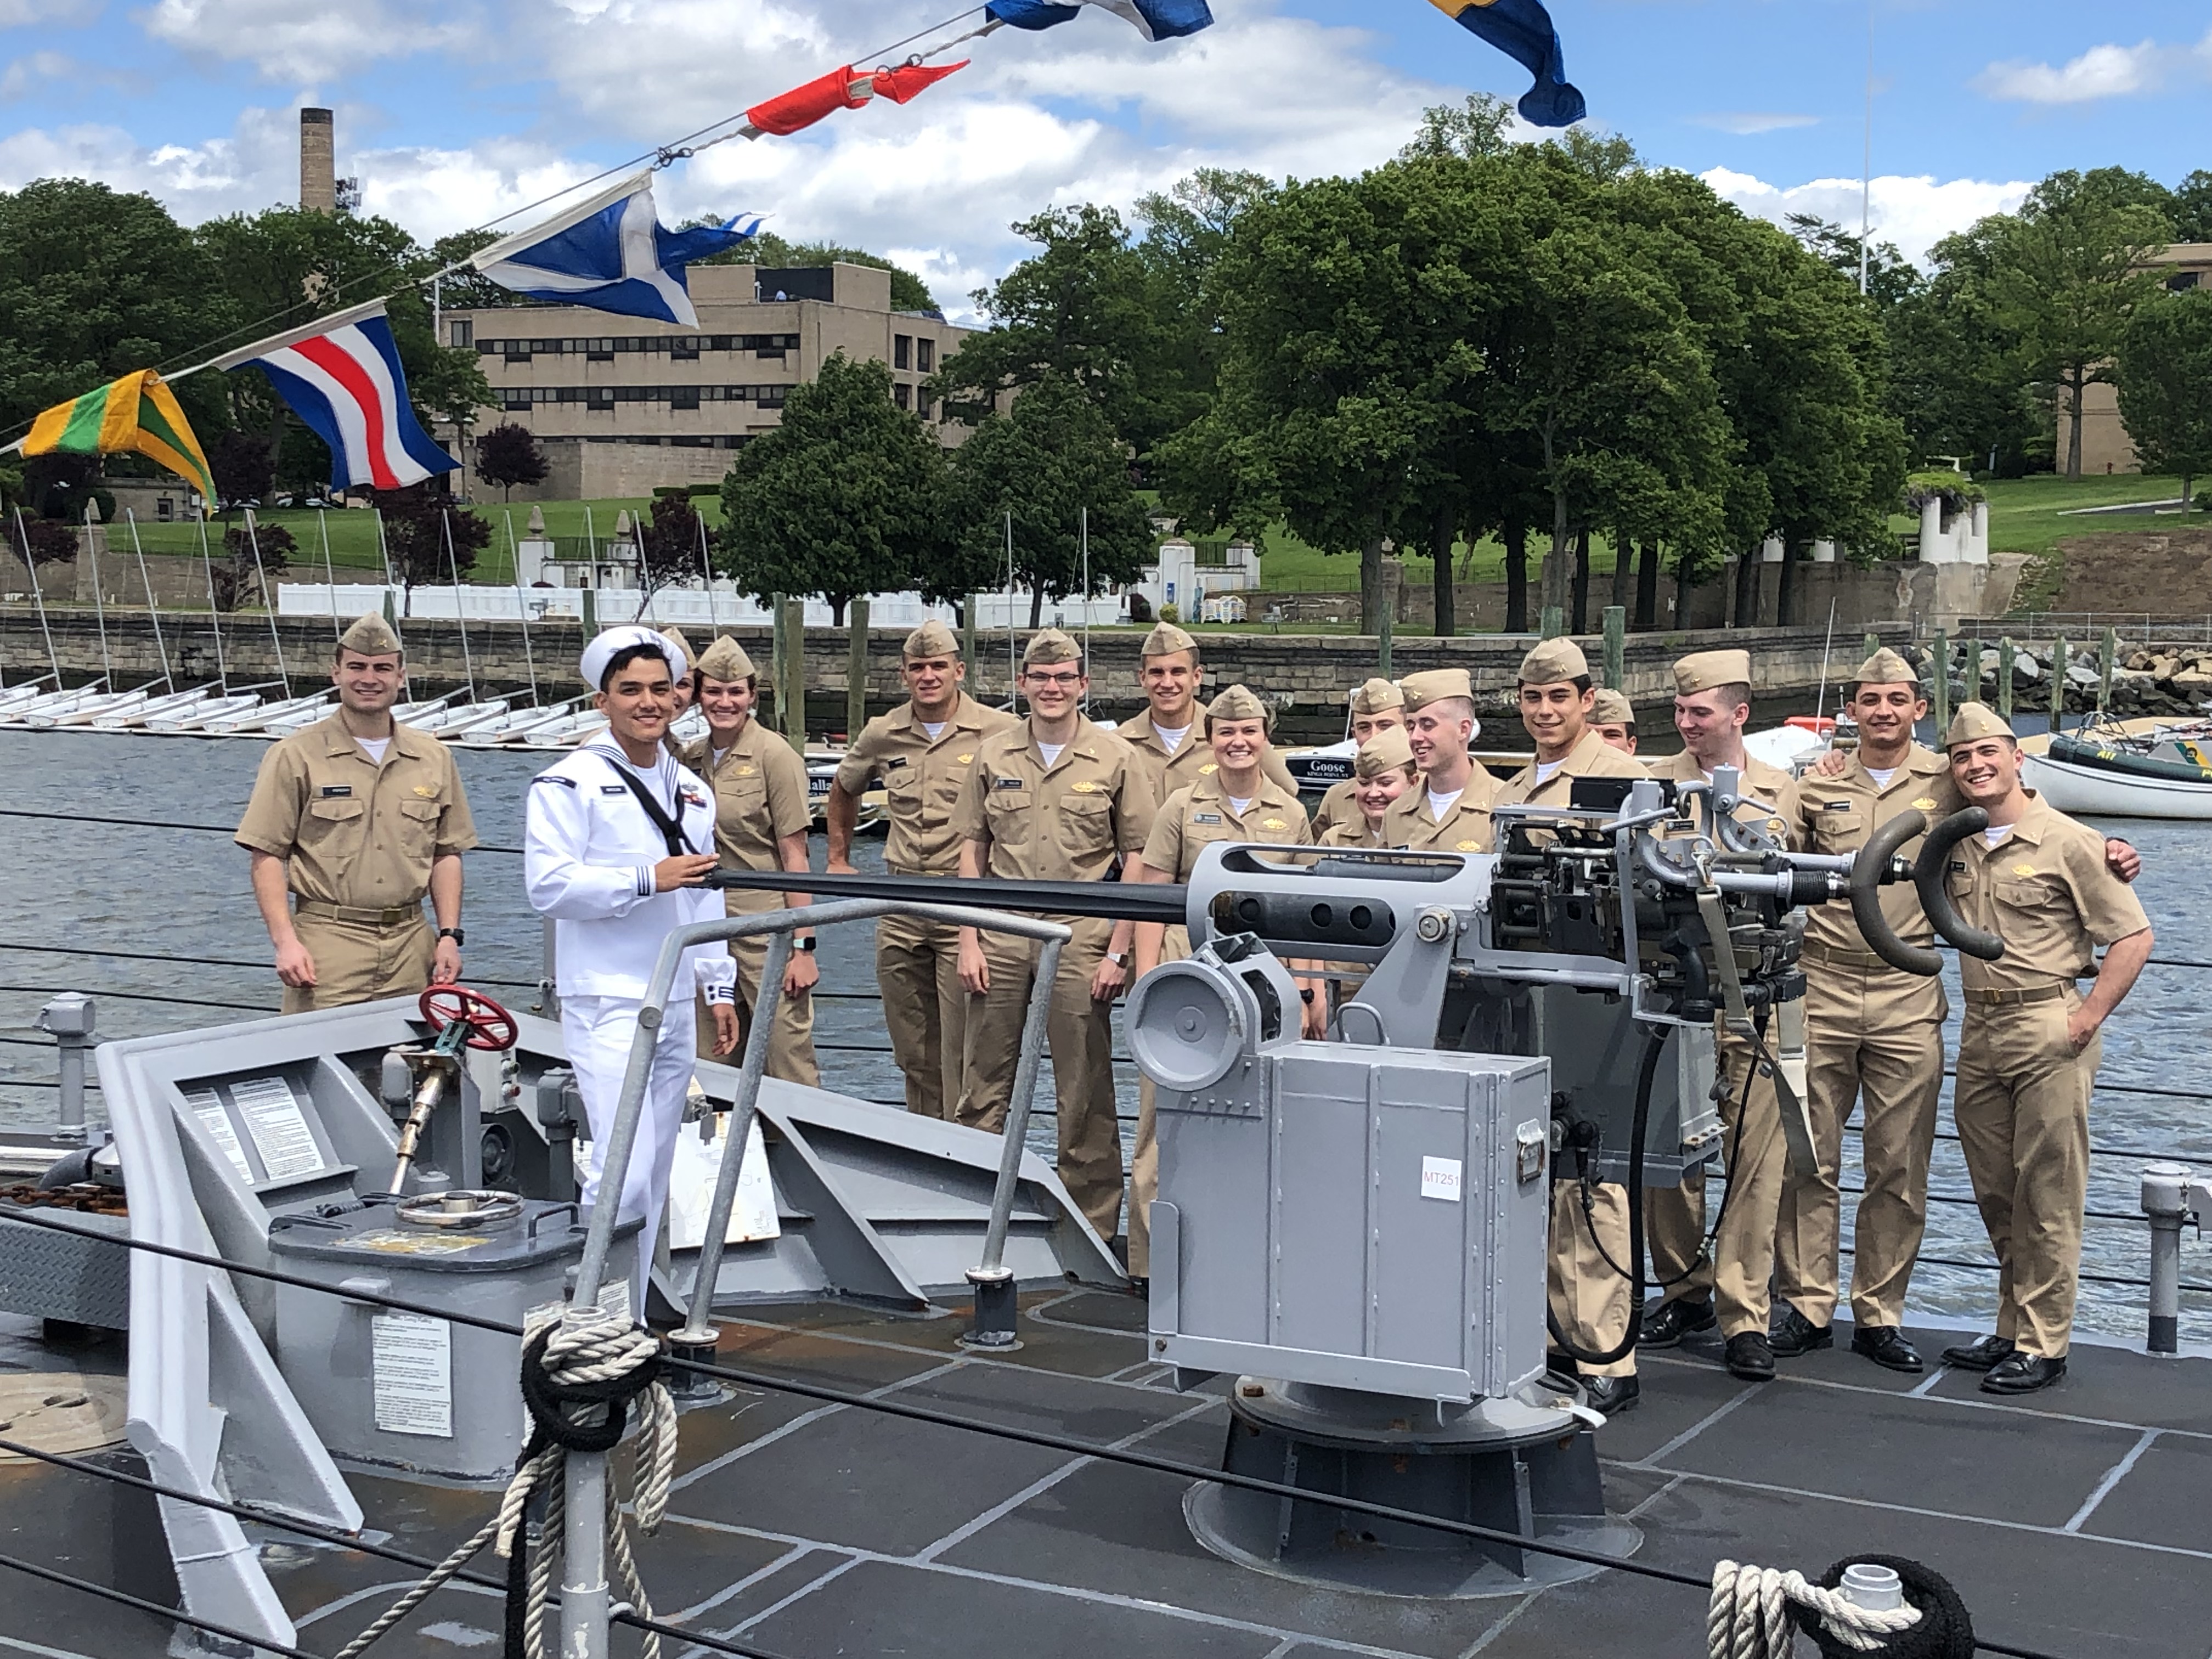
[(361, 819)]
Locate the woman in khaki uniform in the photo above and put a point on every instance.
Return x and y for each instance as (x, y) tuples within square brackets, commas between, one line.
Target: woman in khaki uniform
[(1382, 771), (1235, 802), (762, 816), (1376, 707)]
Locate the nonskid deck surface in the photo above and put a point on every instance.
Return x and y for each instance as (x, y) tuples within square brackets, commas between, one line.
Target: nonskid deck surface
[(2074, 1523)]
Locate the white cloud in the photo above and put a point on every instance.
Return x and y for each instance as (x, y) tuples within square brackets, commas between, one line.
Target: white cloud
[(305, 39), (24, 73), (1750, 123), (14, 14), (1916, 214), (2106, 72)]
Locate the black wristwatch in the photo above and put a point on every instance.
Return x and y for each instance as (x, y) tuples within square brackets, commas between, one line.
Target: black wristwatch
[(1305, 993), (807, 943), (454, 934)]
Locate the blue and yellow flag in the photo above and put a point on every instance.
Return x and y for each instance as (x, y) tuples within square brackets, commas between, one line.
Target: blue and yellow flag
[(1522, 30)]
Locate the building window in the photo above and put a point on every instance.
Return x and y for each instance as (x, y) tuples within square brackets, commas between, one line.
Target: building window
[(903, 395), (925, 355), (2182, 281), (771, 396), (902, 351), (684, 396), (518, 351), (517, 399), (600, 397), (684, 348), (461, 332)]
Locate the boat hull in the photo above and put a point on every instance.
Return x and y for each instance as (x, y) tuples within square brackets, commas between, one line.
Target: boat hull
[(2102, 791)]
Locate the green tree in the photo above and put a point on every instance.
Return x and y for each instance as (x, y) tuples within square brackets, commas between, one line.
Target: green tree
[(770, 251), (1042, 468), (429, 537), (1891, 278), (93, 284), (2164, 379), (1466, 132), (2066, 272), (846, 497), (1955, 376), (2191, 207)]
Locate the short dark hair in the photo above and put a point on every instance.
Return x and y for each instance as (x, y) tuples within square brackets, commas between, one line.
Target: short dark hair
[(628, 654), (1582, 683), (1735, 692)]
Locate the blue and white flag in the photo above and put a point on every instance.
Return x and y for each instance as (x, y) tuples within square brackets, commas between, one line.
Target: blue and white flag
[(612, 253), (1156, 19)]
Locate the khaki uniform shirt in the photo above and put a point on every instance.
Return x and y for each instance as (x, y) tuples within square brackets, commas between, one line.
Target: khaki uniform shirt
[(2046, 890), (1464, 829), (1354, 834), (1761, 782), (923, 779), (1067, 822), (353, 832), (760, 796), (1200, 814), (1591, 757), (1193, 761), (1838, 815), (1341, 805)]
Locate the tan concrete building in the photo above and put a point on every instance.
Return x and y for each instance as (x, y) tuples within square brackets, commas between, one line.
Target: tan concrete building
[(621, 404), (2105, 443)]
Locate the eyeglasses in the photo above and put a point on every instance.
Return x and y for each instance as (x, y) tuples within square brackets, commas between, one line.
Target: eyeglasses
[(1064, 681)]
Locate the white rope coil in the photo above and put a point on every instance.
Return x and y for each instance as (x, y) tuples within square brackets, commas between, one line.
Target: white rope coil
[(1749, 1615)]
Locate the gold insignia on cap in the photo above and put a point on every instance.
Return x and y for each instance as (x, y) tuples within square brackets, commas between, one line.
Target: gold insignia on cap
[(1470, 846), (1925, 803)]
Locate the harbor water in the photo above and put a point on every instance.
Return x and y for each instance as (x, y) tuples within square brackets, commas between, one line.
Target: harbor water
[(142, 888)]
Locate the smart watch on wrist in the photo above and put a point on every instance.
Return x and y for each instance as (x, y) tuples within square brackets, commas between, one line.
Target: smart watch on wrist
[(454, 934)]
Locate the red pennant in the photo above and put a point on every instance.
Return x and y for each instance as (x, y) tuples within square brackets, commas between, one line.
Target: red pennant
[(909, 81), (802, 107)]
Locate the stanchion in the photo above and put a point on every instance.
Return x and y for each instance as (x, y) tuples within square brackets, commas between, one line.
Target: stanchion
[(995, 1325)]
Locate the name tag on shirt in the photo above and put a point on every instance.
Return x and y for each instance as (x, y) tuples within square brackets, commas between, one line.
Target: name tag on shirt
[(1206, 817), (1837, 806), (613, 789), (895, 760), (1006, 783), (331, 791)]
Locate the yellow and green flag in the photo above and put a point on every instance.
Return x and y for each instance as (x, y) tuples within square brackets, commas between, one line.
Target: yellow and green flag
[(136, 415)]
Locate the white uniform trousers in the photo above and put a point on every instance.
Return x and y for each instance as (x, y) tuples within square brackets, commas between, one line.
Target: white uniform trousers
[(599, 1031)]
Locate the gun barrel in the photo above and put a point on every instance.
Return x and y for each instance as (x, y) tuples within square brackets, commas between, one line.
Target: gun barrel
[(1113, 901)]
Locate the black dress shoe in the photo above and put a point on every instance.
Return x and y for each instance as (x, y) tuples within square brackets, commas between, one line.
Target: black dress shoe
[(1609, 1396), (1886, 1346), (1792, 1334), (1981, 1353), (1665, 1327), (2023, 1373), (1749, 1357)]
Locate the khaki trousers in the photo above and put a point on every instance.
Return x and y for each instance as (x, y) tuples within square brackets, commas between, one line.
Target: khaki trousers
[(1867, 1038), (1145, 1161), (1080, 1031), (1588, 1298), (356, 962), (925, 1009), (791, 1045), (1737, 1272), (2022, 1105)]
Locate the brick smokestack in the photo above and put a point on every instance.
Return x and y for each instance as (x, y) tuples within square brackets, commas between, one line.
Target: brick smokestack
[(319, 184)]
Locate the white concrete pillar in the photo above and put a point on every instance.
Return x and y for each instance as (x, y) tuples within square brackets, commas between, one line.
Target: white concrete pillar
[(1770, 550), (1932, 547), (1978, 545), (1823, 552)]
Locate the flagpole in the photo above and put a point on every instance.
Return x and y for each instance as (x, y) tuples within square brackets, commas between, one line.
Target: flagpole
[(153, 605), (384, 552), (214, 612), (453, 563), (31, 569), (522, 607), (99, 605), (329, 572), (707, 572)]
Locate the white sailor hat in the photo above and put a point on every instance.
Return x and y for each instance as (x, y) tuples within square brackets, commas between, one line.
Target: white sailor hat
[(605, 648)]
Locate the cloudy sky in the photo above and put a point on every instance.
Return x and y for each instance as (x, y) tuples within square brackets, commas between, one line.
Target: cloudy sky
[(452, 111)]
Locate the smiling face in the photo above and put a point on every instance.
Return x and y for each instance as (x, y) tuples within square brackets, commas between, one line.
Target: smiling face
[(1556, 716), (1986, 770), (1054, 689), (1375, 794), (1439, 733), (1886, 715), (367, 685), (934, 682), (1237, 744), (1364, 726), (639, 701), (1170, 683), (1711, 723), (728, 704)]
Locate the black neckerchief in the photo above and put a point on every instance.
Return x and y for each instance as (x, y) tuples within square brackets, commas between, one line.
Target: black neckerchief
[(670, 825)]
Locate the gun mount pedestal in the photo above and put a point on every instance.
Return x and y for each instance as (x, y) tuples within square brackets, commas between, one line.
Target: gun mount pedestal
[(1523, 1464)]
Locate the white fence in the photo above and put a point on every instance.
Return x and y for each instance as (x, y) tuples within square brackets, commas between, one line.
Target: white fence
[(685, 607)]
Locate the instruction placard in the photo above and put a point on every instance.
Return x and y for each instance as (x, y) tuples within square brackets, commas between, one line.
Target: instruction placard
[(278, 1126), (207, 1106), (413, 1359)]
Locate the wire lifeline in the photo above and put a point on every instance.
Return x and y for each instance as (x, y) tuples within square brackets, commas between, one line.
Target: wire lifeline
[(123, 1598), (1001, 1432), (353, 1543)]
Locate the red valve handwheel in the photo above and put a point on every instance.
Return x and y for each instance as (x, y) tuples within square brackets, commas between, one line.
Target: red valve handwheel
[(491, 1027)]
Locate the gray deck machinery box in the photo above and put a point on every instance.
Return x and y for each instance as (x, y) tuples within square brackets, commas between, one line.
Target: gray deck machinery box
[(1356, 1229)]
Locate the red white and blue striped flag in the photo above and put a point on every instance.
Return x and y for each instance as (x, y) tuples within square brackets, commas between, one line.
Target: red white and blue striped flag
[(341, 375)]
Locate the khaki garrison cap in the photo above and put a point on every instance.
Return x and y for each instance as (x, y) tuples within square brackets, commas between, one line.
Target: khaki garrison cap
[(684, 644), (1973, 722), (1165, 639), (1049, 645), (725, 660), (932, 639), (1237, 703), (1376, 696), (1434, 685), (1612, 708), (371, 635), (1885, 667), (1555, 662), (1386, 751), (1703, 670)]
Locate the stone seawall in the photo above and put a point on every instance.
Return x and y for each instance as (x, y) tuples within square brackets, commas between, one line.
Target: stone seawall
[(1307, 674)]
